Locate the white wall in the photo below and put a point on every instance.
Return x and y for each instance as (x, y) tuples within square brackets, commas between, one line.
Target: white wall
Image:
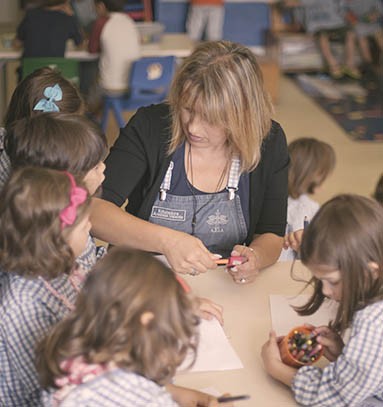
[(9, 10)]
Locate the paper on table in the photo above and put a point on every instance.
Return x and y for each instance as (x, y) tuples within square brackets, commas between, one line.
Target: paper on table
[(284, 318), (214, 350)]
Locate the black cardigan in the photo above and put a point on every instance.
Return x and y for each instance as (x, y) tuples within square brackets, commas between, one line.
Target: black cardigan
[(137, 164)]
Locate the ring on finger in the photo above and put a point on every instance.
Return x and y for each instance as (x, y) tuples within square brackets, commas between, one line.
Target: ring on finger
[(242, 280), (193, 272)]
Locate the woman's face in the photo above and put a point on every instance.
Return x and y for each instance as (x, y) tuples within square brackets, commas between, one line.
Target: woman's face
[(201, 134), (331, 281), (94, 177), (78, 236)]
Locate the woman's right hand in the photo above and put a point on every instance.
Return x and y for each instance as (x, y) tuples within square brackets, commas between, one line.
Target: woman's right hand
[(187, 254), (331, 342)]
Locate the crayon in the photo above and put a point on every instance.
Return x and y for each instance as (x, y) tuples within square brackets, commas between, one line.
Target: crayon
[(231, 261), (227, 399)]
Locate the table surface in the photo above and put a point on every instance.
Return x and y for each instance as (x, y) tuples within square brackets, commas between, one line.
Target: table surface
[(179, 45), (247, 325)]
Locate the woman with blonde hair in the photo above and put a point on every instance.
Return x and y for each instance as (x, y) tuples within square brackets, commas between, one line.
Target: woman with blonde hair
[(206, 173)]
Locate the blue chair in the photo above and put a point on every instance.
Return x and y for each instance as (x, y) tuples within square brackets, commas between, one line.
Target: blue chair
[(149, 83)]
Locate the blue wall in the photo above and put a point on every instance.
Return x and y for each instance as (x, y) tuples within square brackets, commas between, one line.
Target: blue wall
[(245, 22)]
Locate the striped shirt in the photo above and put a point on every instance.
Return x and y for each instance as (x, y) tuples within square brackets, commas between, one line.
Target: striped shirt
[(356, 374), (28, 309), (116, 388)]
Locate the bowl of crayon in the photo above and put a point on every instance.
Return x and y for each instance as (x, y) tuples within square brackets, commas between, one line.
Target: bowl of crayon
[(300, 347)]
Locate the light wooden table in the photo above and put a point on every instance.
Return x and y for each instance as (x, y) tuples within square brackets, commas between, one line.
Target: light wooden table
[(247, 325)]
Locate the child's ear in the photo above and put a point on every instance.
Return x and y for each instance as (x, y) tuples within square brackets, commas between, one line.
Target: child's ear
[(146, 317), (374, 268)]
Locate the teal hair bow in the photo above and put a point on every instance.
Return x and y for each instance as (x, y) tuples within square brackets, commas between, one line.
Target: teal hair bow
[(53, 94)]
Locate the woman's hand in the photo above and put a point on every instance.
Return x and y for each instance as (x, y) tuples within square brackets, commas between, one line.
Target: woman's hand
[(186, 397), (273, 363), (247, 271), (186, 254), (208, 309), (293, 240), (331, 342)]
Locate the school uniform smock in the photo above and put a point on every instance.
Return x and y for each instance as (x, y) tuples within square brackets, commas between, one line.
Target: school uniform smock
[(116, 388), (297, 210), (138, 162), (28, 309), (357, 373), (44, 32)]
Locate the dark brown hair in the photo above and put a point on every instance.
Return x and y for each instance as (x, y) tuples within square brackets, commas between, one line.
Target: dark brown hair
[(378, 193), (106, 325), (311, 162), (31, 90), (32, 242), (113, 5), (58, 141), (346, 235)]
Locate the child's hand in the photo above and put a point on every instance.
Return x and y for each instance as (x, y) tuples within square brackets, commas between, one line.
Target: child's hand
[(331, 341), (208, 309), (273, 362), (186, 397), (293, 240), (270, 353)]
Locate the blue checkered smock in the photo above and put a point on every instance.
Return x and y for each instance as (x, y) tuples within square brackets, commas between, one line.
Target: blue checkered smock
[(357, 373), (28, 309), (116, 388)]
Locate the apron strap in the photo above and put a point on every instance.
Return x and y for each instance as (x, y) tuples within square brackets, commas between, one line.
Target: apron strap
[(234, 175), (165, 186)]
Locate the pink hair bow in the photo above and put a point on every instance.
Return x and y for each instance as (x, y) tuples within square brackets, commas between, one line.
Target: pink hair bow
[(78, 196)]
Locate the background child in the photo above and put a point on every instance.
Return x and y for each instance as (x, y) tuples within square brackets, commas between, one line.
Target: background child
[(45, 30), (311, 162), (326, 20), (132, 327), (44, 223), (343, 249), (115, 36), (206, 15), (365, 18), (378, 194)]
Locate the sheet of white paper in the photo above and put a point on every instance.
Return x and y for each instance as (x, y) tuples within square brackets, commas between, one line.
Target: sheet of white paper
[(214, 350), (284, 318)]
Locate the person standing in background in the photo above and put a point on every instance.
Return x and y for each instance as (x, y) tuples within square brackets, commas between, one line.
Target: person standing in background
[(205, 15), (45, 30), (115, 36)]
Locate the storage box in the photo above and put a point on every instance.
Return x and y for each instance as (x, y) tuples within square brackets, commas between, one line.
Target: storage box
[(150, 31)]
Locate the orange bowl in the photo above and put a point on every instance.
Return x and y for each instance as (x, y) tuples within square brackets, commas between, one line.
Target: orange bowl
[(304, 334)]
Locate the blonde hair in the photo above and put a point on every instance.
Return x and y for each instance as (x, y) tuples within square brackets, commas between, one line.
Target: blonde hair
[(311, 162), (106, 325), (222, 82)]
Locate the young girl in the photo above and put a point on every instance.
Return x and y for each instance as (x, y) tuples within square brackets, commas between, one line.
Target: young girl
[(62, 142), (29, 99), (311, 162), (343, 248), (44, 223), (131, 329)]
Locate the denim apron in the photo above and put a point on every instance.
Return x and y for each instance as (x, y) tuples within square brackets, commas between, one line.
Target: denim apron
[(218, 218)]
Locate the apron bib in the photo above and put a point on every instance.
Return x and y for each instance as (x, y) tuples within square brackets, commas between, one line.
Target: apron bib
[(218, 218)]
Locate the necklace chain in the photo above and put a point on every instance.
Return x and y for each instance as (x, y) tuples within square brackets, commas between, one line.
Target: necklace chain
[(191, 189)]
